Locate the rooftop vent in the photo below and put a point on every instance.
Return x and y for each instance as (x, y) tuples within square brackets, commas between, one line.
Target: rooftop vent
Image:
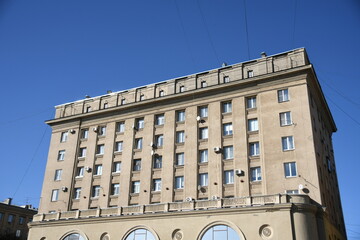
[(263, 54), (224, 64)]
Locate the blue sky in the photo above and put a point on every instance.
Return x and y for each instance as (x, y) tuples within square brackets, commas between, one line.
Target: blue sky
[(52, 52)]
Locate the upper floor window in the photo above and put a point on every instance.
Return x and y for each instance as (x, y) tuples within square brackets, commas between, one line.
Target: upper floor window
[(10, 218), (82, 152), (179, 182), (161, 93), (119, 146), (160, 119), (250, 73), (123, 101), (21, 220), (290, 169), (227, 129), (226, 79), (228, 152), (142, 97), (226, 107), (117, 167), (120, 127), (58, 173), (54, 195), (253, 125), (180, 159), (254, 149), (140, 123), (287, 143), (203, 156), (102, 131), (64, 136), (84, 133), (159, 139), (203, 133), (137, 165), (157, 162), (95, 191), (283, 95), (255, 174), (136, 187), (285, 119), (229, 177), (106, 105), (180, 116), (182, 89), (98, 170), (138, 143), (203, 84), (220, 232), (61, 155), (180, 137), (77, 193), (251, 102), (80, 172), (115, 189), (203, 111), (88, 109), (203, 179), (100, 149), (157, 185)]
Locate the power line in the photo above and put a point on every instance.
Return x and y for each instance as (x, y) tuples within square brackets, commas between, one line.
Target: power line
[(208, 32), (31, 161), (246, 29), (358, 123), (25, 117), (294, 24)]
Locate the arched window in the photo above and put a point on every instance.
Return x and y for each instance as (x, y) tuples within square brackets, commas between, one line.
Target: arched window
[(220, 232), (74, 236), (140, 234)]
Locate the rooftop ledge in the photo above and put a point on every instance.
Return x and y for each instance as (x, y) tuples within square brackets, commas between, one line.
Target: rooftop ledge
[(177, 207)]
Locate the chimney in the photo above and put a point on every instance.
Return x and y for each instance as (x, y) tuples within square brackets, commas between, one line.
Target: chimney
[(8, 201)]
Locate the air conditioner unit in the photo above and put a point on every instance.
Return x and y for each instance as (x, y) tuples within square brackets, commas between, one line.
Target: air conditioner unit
[(64, 189), (214, 197), (198, 118), (239, 172), (95, 129), (217, 149), (72, 131), (189, 199), (88, 169)]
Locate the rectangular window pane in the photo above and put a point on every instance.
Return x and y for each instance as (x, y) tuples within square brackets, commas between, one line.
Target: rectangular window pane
[(180, 159), (117, 167), (160, 119), (157, 185), (57, 176), (290, 169), (227, 129), (137, 165), (203, 112), (287, 143), (136, 187), (179, 182), (285, 119), (251, 102), (254, 149), (64, 136), (229, 177), (180, 137), (203, 179), (100, 149), (283, 95), (203, 133), (157, 161), (120, 127), (227, 107), (228, 152), (255, 174), (55, 195), (180, 116), (203, 156), (253, 125)]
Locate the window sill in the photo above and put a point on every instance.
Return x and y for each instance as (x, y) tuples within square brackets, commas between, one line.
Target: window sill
[(159, 126), (114, 196), (117, 152), (226, 113), (99, 155), (137, 149), (81, 158), (255, 157), (94, 198), (156, 192), (83, 139), (79, 178), (251, 109), (134, 194), (101, 136), (76, 200), (180, 144), (115, 174), (159, 147), (203, 140), (228, 159), (228, 136), (96, 176), (290, 177), (288, 150), (203, 163), (180, 122), (179, 166), (286, 125), (228, 185), (253, 132), (178, 189), (156, 169), (256, 182), (119, 133)]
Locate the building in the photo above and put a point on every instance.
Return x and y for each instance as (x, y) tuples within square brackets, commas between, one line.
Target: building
[(239, 152), (14, 220)]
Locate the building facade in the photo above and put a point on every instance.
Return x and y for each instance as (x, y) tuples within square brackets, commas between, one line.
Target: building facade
[(239, 152), (14, 220)]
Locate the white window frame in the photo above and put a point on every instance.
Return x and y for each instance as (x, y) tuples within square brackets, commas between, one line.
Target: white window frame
[(251, 102), (55, 195), (203, 84), (123, 101), (161, 93), (95, 191), (182, 89), (203, 156), (228, 152), (157, 164), (138, 143), (226, 79), (250, 73), (227, 107), (227, 129), (288, 143), (203, 112), (61, 155), (203, 133), (120, 127), (64, 136), (285, 119), (255, 174), (160, 119), (77, 193), (180, 159), (283, 95), (180, 116), (203, 179), (290, 169), (82, 152), (115, 189), (136, 165), (159, 140), (229, 177), (254, 149), (100, 149), (84, 133), (98, 170), (117, 167), (179, 182), (119, 146), (180, 137), (142, 97), (253, 125), (58, 173), (140, 123), (80, 172), (157, 185), (135, 187)]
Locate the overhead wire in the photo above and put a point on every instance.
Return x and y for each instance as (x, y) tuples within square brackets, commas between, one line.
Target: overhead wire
[(358, 123), (25, 117), (294, 24), (246, 30)]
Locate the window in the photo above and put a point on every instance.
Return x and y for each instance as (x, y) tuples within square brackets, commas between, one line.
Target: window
[(228, 152), (292, 191), (283, 95), (227, 107), (95, 191), (64, 136), (100, 149), (290, 169), (120, 127), (203, 84), (138, 143), (136, 187), (61, 155), (229, 177), (55, 195), (180, 116), (159, 140), (157, 185), (251, 102), (82, 152), (253, 125), (119, 146), (115, 189), (220, 232), (255, 174), (123, 101), (58, 173), (287, 143), (160, 119), (74, 236), (203, 133), (182, 89), (161, 93), (180, 159), (117, 167), (80, 171), (140, 234), (77, 193), (180, 137), (254, 149), (285, 119), (98, 170), (226, 79), (227, 129), (106, 105), (137, 165), (18, 233), (84, 133), (10, 218), (203, 112), (21, 220), (250, 73), (179, 182), (203, 156), (88, 109), (157, 162), (102, 131), (203, 179), (140, 123), (142, 97), (1, 216)]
